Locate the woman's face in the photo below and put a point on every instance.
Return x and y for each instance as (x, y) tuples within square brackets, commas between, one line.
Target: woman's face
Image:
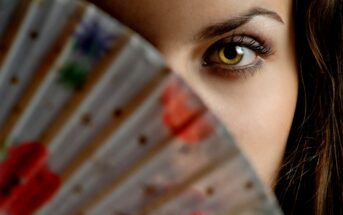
[(237, 55)]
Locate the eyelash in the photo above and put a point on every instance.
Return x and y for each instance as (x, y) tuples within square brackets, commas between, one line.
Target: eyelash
[(258, 46)]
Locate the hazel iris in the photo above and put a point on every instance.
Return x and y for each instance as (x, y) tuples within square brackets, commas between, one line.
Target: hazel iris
[(231, 54)]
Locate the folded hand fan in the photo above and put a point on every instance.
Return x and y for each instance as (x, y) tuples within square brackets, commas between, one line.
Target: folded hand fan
[(94, 122)]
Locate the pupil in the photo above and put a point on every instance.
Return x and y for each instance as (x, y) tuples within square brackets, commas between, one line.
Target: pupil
[(230, 52)]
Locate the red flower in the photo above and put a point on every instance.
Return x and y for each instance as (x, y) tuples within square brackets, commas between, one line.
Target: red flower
[(182, 109), (26, 183)]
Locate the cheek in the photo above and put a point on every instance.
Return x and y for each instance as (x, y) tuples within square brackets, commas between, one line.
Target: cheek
[(260, 119), (261, 123), (257, 109), (260, 109)]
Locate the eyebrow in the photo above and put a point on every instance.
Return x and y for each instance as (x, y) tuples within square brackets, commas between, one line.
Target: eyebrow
[(233, 23)]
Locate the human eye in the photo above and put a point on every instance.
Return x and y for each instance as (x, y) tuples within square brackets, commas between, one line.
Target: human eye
[(235, 55)]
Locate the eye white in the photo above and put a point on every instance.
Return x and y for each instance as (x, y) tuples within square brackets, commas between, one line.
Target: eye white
[(248, 56)]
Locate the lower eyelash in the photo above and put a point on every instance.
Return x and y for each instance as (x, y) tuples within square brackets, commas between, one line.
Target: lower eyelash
[(236, 72)]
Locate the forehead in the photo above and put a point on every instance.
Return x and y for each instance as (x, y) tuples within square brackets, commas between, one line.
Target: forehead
[(177, 20)]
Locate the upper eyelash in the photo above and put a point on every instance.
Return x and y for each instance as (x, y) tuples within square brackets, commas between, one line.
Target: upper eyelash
[(257, 43)]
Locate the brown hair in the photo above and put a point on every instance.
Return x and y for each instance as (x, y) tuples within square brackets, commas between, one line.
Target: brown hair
[(311, 177)]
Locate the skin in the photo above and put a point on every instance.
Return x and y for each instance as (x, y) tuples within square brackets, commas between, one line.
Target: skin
[(257, 105)]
